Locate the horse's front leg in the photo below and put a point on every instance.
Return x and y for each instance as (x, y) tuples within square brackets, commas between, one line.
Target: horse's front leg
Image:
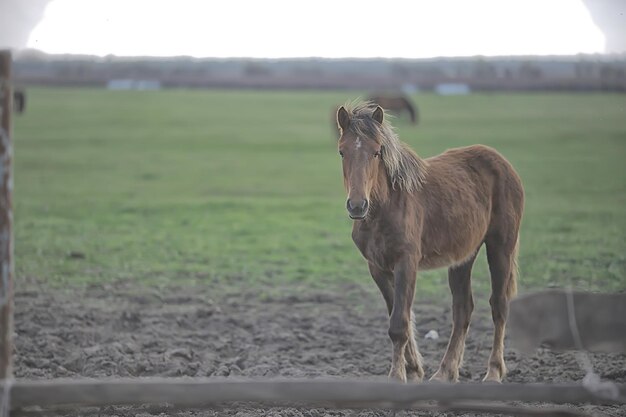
[(384, 279), (400, 326)]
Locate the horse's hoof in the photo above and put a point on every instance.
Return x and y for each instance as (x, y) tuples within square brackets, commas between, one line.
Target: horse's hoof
[(415, 376), (397, 377), (492, 378), (493, 375), (446, 377), (495, 372)]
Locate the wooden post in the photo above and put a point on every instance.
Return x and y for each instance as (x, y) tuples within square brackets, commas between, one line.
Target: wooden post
[(6, 220), (568, 320)]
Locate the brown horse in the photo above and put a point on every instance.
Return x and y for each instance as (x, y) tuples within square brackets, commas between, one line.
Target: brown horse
[(396, 104), (412, 213)]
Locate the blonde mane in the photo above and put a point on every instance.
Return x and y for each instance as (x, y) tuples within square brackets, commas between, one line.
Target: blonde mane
[(405, 169)]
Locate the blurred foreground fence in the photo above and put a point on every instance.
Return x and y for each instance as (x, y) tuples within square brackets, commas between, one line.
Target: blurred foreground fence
[(24, 396), (350, 394)]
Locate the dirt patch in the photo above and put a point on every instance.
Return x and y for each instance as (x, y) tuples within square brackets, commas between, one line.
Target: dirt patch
[(125, 331)]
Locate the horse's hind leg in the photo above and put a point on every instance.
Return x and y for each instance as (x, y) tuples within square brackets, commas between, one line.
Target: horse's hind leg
[(501, 255), (384, 281), (459, 279)]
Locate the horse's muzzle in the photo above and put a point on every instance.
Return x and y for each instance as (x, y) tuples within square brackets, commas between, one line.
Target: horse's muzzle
[(357, 209)]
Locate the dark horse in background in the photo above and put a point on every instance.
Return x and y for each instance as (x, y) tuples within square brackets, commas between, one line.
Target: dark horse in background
[(396, 104), (411, 213), (19, 101)]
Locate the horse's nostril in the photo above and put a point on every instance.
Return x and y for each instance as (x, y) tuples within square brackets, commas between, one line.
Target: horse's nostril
[(359, 206)]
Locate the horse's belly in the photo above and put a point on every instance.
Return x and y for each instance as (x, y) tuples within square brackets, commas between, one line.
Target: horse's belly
[(433, 262), (440, 261), (449, 250), (437, 260), (443, 247), (379, 253)]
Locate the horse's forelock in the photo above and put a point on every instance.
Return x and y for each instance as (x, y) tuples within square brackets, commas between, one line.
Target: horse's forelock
[(404, 167)]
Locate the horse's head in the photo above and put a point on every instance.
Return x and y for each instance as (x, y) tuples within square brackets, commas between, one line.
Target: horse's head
[(361, 151)]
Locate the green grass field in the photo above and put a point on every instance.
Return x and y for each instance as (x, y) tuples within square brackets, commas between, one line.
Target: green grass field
[(235, 188)]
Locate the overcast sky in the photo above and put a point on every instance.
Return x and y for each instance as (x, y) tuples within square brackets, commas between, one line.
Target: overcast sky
[(325, 28)]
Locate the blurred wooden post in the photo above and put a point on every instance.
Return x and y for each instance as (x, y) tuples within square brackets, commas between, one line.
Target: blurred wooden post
[(568, 320), (6, 220)]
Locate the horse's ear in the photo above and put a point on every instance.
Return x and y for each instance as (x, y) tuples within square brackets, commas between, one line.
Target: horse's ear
[(378, 114), (343, 118)]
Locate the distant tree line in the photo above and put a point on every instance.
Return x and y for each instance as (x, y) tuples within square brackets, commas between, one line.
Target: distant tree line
[(582, 72)]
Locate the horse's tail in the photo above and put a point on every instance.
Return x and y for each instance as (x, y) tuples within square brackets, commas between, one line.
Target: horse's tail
[(511, 289), (411, 109)]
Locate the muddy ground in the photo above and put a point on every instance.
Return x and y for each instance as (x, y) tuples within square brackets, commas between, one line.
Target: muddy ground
[(127, 331)]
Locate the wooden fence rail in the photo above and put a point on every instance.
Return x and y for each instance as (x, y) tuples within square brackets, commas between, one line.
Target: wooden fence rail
[(335, 393)]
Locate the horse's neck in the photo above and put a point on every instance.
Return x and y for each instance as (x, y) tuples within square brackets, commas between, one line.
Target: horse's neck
[(382, 189), (386, 194)]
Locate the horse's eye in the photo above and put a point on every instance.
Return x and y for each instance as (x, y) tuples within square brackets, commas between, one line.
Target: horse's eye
[(341, 154), (377, 154)]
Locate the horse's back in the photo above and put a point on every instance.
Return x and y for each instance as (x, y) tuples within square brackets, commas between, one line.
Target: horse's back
[(496, 170), (480, 163), (483, 170)]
